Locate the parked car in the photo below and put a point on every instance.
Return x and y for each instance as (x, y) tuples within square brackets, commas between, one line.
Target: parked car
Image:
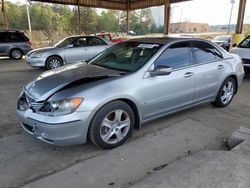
[(243, 50), (109, 37), (223, 41), (127, 85), (14, 44), (132, 33), (69, 50)]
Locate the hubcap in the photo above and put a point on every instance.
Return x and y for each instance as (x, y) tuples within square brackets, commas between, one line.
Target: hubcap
[(227, 92), (16, 54), (54, 63), (115, 126)]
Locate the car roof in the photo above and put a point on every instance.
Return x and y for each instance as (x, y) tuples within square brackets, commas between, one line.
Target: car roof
[(163, 40)]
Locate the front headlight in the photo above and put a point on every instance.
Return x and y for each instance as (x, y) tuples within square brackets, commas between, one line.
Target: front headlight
[(220, 43), (60, 107), (37, 54)]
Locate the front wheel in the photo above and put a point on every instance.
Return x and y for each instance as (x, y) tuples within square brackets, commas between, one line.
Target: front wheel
[(226, 93), (112, 125), (53, 62)]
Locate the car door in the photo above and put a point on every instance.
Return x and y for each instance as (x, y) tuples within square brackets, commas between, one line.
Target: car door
[(95, 46), (163, 94), (209, 70), (76, 51)]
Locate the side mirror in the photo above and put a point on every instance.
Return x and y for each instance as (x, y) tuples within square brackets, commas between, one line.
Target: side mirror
[(234, 45), (70, 46), (161, 70)]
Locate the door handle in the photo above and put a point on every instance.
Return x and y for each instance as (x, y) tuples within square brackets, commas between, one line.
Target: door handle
[(220, 66), (188, 74)]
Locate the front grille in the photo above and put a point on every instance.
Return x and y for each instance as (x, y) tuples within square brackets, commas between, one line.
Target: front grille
[(246, 61), (32, 103)]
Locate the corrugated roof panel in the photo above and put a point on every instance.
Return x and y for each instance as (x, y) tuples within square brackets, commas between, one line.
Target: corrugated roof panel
[(112, 4)]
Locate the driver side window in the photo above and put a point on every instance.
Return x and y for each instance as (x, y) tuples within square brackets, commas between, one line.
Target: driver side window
[(81, 42), (245, 43), (176, 56)]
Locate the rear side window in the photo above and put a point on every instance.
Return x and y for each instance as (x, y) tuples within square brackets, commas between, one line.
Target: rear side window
[(94, 41), (176, 56), (204, 52), (2, 38), (14, 37)]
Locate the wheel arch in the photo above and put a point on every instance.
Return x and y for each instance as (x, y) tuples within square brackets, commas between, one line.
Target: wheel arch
[(15, 48), (130, 102), (236, 82), (54, 55)]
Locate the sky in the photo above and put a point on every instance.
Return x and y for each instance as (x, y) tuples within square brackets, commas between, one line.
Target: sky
[(213, 12)]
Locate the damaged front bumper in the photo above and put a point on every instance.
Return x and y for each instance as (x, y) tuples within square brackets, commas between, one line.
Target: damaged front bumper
[(65, 130)]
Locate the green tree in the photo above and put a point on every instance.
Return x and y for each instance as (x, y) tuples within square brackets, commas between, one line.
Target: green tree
[(108, 21), (88, 20)]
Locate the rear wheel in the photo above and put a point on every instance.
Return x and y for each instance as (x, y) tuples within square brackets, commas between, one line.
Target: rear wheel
[(226, 93), (16, 54), (53, 62), (112, 125)]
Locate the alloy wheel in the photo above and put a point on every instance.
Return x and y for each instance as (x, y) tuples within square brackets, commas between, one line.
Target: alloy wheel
[(115, 126), (227, 92), (16, 54), (54, 63)]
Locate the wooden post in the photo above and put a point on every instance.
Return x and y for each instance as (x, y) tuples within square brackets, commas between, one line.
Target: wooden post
[(128, 19), (79, 17), (241, 13), (5, 23), (166, 16), (128, 16)]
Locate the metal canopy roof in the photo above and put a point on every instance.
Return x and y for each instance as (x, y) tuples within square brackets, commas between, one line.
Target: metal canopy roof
[(113, 4)]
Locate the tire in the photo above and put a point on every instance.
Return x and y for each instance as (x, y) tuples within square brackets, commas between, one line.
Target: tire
[(226, 93), (16, 54), (53, 62), (107, 130)]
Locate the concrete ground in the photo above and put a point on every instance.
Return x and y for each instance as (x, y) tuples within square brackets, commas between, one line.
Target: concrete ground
[(24, 160)]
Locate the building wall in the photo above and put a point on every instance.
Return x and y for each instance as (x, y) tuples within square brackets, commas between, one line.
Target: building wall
[(188, 27)]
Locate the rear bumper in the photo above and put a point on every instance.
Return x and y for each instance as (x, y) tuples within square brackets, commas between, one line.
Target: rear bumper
[(26, 50), (62, 131)]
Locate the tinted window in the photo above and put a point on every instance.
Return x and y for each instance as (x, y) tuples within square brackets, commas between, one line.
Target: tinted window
[(80, 42), (245, 43), (176, 56), (94, 41), (13, 37), (2, 38), (204, 52)]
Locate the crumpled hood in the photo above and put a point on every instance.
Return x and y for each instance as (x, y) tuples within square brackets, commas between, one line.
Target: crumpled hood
[(52, 81)]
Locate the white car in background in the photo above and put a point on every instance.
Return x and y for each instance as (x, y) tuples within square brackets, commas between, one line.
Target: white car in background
[(243, 50)]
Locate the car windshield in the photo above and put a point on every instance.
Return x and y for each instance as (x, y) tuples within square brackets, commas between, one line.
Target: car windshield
[(127, 56), (222, 38), (65, 42), (245, 43)]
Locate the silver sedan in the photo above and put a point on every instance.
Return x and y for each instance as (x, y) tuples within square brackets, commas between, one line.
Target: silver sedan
[(124, 87), (70, 50)]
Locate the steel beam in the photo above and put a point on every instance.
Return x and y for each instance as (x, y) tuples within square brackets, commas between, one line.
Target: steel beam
[(166, 16), (241, 14)]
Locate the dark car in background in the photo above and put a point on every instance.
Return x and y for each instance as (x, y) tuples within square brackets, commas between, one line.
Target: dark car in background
[(223, 41), (14, 44)]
